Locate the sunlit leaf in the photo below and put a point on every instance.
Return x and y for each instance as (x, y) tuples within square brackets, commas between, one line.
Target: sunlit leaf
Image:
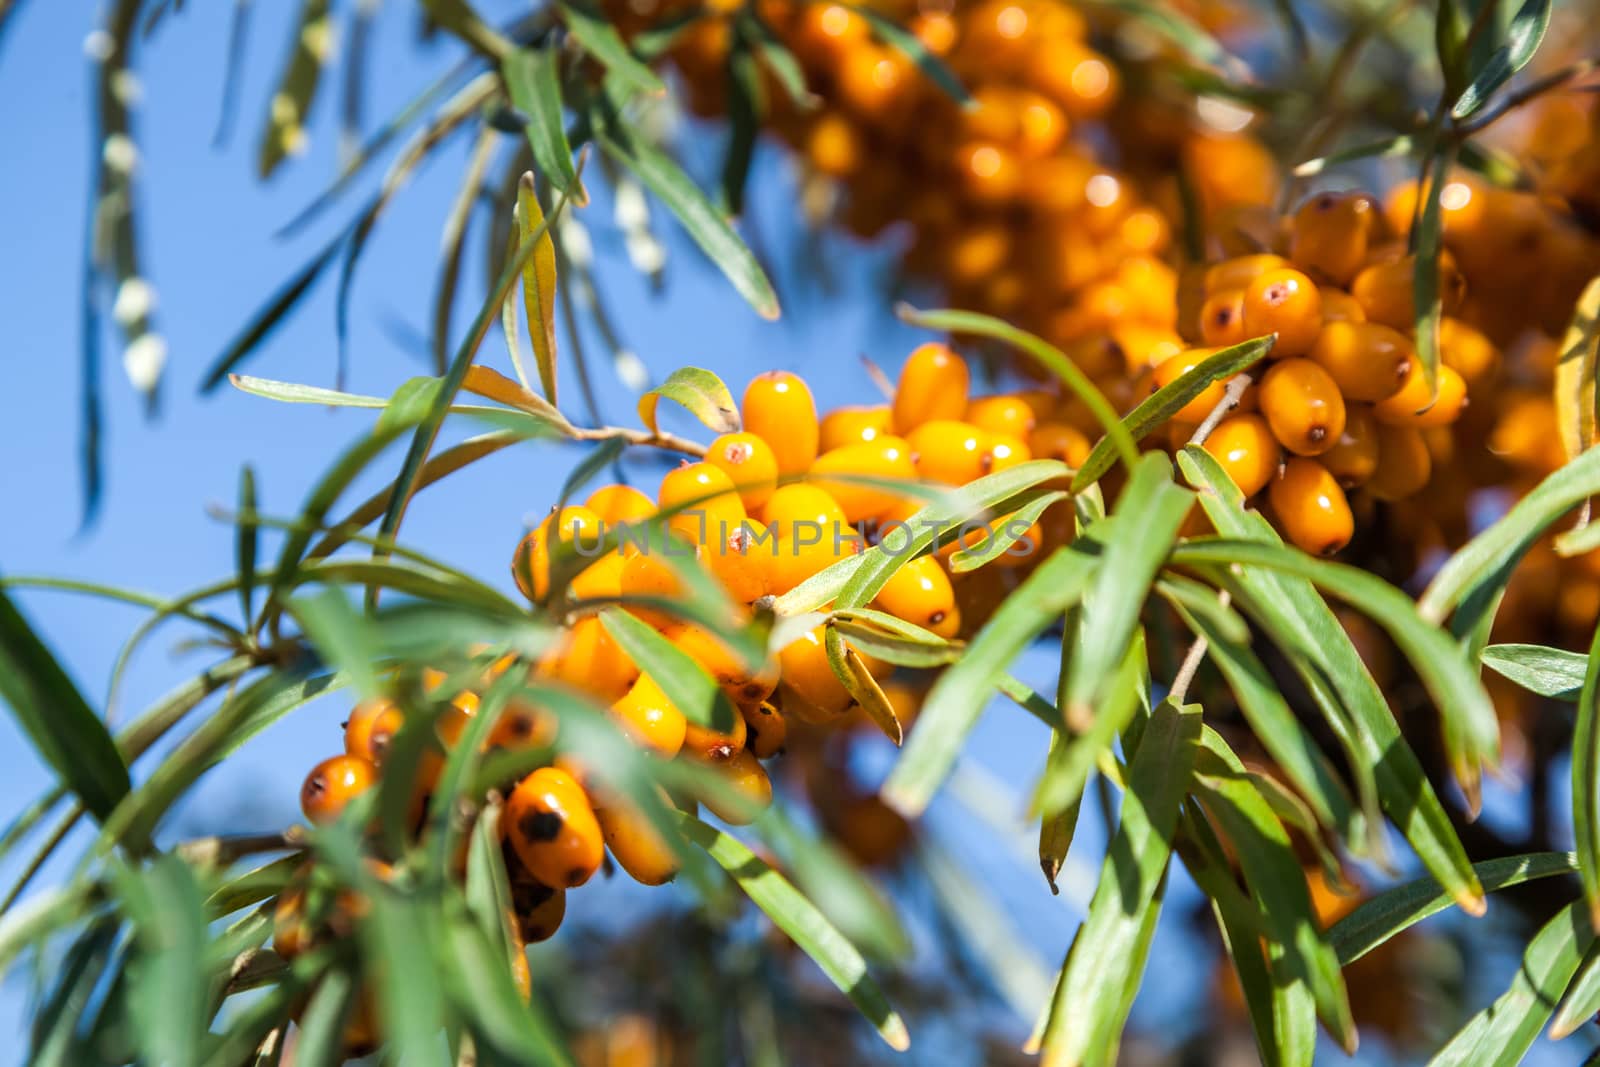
[(1575, 390), (1522, 40), (311, 46), (591, 29), (1550, 672), (532, 77), (539, 284), (700, 391)]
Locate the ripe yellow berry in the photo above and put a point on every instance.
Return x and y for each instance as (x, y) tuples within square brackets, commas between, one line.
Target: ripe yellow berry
[(636, 844), (805, 506), (1303, 405), (1409, 406), (1368, 361), (1171, 370), (920, 592), (752, 789), (616, 504), (1009, 415), (749, 463), (1404, 464), (1222, 318), (1311, 508), (886, 459), (765, 729), (949, 452), (370, 729), (853, 425), (1287, 303), (1240, 271), (531, 564), (743, 685), (933, 385), (711, 507), (779, 409), (1329, 235), (807, 676), (1057, 440), (589, 659), (551, 824), (333, 784), (650, 718), (1355, 457), (1245, 447)]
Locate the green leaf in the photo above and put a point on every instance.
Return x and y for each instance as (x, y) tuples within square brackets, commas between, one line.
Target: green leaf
[(910, 45), (245, 543), (1523, 37), (1133, 544), (1167, 401), (1290, 610), (806, 926), (321, 1036), (1387, 148), (1486, 562), (1428, 242), (533, 80), (704, 224), (539, 282), (1450, 680), (1299, 952), (1576, 398), (591, 29), (1106, 962), (1047, 355), (1379, 919), (169, 987), (1278, 729), (53, 1031), (998, 542), (1586, 782), (1550, 672), (701, 392), (746, 105), (484, 994), (958, 698), (1072, 758), (685, 682), (57, 720), (1582, 1001), (343, 637), (1501, 1034), (312, 44), (488, 888), (1190, 37)]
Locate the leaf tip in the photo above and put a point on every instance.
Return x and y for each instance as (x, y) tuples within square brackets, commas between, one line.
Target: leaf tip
[(1472, 902), (895, 1034)]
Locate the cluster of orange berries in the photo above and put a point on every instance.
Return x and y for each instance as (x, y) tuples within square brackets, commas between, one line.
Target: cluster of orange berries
[(1344, 404)]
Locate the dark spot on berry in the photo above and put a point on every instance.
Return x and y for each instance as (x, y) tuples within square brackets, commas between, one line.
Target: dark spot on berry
[(1224, 316), (936, 618), (1318, 434), (576, 876), (315, 787), (720, 751), (345, 725), (1326, 201), (541, 825), (1276, 294), (753, 690)]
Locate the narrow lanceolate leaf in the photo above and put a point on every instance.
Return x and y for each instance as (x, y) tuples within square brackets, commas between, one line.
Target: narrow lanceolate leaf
[(1290, 609), (806, 926), (1158, 407), (539, 284), (1107, 958), (1582, 1002), (532, 77), (1299, 951), (1550, 672), (956, 700), (910, 45), (1011, 537), (1133, 544), (1184, 32), (1586, 782), (591, 29), (1387, 914), (684, 681), (1072, 757), (1387, 148), (1046, 355), (322, 1026), (701, 392), (245, 547), (480, 983), (1057, 831), (1522, 40), (344, 638), (1486, 562), (1278, 729), (488, 889), (1501, 1034), (52, 712), (1575, 395), (285, 134), (684, 199), (169, 986)]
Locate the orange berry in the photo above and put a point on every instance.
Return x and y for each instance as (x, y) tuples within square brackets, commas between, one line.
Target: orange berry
[(1002, 451), (1303, 405), (650, 718), (766, 730), (853, 425), (1171, 370), (834, 145), (824, 32), (1057, 440), (885, 459), (1287, 303), (600, 579), (920, 593), (539, 908), (1246, 448), (1404, 464), (648, 574), (743, 685), (988, 172), (1355, 457), (807, 676), (616, 504), (1240, 271), (1409, 406), (705, 745), (871, 80), (740, 565), (749, 463), (333, 784), (752, 789), (1311, 507), (807, 551), (809, 507), (712, 509), (778, 408), (552, 826), (1465, 350), (933, 385), (1010, 415), (1384, 289), (636, 844), (949, 452), (1328, 237), (1368, 360), (1075, 76), (530, 566), (589, 659), (1340, 306), (1222, 318), (370, 729)]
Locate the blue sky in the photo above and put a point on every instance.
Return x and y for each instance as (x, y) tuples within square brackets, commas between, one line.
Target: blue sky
[(208, 230)]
